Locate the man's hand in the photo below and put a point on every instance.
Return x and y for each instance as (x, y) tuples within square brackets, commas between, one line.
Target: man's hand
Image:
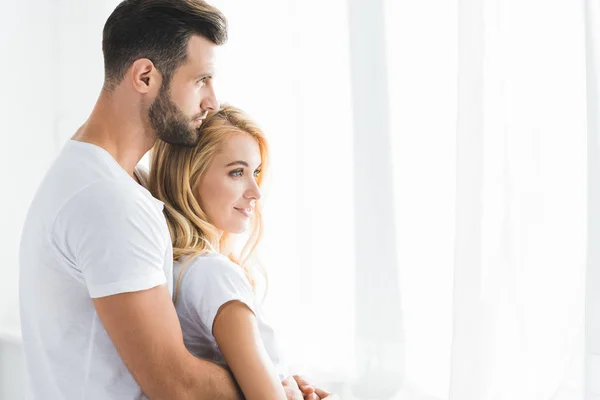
[(308, 391)]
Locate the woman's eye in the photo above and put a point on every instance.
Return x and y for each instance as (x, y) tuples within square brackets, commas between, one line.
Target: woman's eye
[(257, 173), (237, 173)]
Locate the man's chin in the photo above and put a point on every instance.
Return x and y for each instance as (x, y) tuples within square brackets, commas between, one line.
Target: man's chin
[(189, 141)]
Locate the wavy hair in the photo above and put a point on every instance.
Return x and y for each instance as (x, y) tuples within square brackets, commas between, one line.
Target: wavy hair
[(175, 173)]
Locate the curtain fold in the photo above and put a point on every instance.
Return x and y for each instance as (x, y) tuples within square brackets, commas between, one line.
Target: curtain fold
[(592, 309), (521, 189), (470, 347), (379, 339)]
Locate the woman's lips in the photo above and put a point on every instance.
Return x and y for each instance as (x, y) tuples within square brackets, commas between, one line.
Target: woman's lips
[(244, 211)]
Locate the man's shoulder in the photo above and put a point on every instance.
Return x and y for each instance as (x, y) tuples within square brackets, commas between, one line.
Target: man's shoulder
[(110, 202), (109, 191)]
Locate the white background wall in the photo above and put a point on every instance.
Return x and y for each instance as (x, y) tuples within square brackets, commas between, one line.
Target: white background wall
[(27, 102), (51, 71)]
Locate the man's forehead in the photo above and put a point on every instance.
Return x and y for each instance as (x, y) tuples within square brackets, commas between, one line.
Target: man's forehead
[(201, 51)]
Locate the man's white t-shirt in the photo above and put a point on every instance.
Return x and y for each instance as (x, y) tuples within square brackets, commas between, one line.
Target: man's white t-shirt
[(209, 281), (91, 231)]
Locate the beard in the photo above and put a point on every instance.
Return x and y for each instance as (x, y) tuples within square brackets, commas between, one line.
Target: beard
[(170, 123)]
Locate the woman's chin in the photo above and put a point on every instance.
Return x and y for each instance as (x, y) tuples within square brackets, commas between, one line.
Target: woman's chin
[(238, 229)]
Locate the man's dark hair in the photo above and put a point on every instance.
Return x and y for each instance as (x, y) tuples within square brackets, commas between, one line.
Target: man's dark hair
[(158, 30)]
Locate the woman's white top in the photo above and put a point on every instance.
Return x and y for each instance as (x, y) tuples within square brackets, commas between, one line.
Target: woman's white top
[(208, 282)]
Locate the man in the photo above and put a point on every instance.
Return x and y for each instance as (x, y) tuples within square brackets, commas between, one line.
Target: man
[(96, 258)]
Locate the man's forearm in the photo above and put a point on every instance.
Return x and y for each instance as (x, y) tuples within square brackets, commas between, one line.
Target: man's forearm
[(209, 381)]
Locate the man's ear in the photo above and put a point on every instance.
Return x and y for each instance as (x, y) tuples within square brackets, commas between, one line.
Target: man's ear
[(144, 76)]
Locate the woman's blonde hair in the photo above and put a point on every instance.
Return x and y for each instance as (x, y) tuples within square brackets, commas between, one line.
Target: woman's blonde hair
[(175, 173)]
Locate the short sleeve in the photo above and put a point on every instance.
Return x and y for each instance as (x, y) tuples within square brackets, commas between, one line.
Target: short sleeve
[(208, 283), (115, 236)]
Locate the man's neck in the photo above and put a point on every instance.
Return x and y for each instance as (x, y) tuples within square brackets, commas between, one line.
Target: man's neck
[(111, 127)]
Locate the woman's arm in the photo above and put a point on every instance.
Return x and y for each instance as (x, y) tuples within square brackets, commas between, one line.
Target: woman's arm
[(237, 335)]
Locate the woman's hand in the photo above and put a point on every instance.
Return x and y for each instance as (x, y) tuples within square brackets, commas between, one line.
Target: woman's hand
[(309, 391), (292, 391)]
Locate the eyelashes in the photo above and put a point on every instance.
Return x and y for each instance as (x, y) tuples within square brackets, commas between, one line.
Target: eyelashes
[(238, 173)]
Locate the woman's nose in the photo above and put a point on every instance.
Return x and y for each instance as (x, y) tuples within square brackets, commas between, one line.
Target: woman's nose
[(253, 191)]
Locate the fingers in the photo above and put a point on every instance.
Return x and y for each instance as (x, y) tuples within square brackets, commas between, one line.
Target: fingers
[(318, 394), (305, 387), (287, 381), (293, 394), (309, 391)]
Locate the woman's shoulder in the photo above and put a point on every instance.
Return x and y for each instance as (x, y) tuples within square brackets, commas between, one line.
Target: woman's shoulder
[(207, 267), (210, 280), (211, 259)]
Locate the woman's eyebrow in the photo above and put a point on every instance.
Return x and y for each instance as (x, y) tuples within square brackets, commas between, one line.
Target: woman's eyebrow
[(239, 162)]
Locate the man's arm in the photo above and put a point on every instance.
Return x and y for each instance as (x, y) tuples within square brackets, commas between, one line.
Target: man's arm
[(145, 330)]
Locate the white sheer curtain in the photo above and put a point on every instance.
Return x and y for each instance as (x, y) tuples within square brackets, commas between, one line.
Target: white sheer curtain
[(519, 297), (433, 209), (435, 166), (591, 364)]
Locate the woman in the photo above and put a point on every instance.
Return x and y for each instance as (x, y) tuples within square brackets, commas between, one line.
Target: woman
[(212, 193)]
